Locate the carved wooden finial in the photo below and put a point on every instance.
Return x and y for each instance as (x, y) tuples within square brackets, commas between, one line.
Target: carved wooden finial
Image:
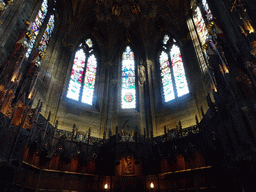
[(56, 124), (196, 120), (49, 116), (89, 132), (116, 130), (40, 107), (180, 129)]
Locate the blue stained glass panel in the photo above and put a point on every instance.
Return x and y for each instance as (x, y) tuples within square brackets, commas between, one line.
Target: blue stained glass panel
[(35, 26), (166, 77), (128, 79), (47, 33), (178, 71), (89, 81), (76, 77)]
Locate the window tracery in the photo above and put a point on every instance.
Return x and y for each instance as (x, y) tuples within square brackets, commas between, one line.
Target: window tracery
[(82, 79), (174, 82)]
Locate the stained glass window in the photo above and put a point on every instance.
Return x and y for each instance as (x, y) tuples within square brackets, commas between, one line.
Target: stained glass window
[(76, 78), (199, 32), (166, 77), (197, 45), (166, 38), (128, 93), (89, 80), (89, 42), (82, 80), (47, 33), (35, 26), (173, 76), (178, 71), (200, 26), (207, 10)]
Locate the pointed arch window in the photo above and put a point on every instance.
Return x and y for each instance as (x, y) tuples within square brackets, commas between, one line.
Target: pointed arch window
[(82, 80), (35, 26), (47, 33), (128, 93), (174, 82), (198, 31)]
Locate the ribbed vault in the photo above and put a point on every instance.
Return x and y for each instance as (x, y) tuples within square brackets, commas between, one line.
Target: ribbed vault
[(79, 18)]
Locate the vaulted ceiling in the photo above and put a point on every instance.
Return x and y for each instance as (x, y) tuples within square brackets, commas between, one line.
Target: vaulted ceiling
[(115, 21)]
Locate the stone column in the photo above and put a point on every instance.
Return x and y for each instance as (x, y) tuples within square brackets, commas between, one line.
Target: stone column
[(142, 84), (150, 107), (105, 85)]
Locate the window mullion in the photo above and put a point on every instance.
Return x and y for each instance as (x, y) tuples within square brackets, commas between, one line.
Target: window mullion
[(85, 65), (172, 74)]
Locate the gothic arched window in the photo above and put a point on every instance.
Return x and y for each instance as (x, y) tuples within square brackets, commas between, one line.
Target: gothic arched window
[(47, 33), (173, 76), (128, 92), (82, 80), (35, 27), (199, 32)]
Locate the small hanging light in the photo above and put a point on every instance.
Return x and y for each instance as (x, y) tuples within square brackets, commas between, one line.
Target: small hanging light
[(152, 185), (106, 186)]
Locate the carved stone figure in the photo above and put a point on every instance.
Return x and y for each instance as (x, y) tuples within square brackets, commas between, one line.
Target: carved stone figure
[(142, 76)]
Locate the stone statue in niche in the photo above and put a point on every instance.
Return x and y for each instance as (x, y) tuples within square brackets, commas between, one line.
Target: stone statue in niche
[(142, 75)]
